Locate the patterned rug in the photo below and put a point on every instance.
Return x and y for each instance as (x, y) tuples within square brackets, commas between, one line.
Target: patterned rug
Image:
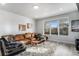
[(49, 49)]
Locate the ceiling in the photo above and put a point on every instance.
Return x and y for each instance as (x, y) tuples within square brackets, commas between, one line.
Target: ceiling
[(44, 10)]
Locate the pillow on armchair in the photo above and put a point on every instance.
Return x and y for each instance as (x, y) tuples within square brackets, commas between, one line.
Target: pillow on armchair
[(9, 38)]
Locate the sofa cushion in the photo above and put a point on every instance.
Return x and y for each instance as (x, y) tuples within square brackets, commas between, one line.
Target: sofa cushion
[(28, 35), (33, 35), (26, 41), (33, 39), (19, 37)]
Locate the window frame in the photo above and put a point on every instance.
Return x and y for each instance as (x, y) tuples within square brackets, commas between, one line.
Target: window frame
[(56, 19)]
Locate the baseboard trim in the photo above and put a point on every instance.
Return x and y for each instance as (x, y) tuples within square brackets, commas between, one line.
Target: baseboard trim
[(62, 42)]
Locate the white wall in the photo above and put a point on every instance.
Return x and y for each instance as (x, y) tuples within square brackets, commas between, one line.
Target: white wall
[(9, 23), (67, 39)]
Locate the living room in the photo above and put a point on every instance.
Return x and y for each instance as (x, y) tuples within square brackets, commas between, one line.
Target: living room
[(33, 29)]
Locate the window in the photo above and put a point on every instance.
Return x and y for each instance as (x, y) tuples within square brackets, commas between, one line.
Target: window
[(63, 27), (46, 28), (56, 26)]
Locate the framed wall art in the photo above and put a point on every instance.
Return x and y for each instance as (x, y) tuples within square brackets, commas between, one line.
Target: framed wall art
[(22, 27), (29, 25), (75, 25)]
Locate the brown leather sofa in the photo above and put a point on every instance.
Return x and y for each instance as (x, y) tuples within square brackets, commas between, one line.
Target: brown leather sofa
[(27, 38), (23, 38)]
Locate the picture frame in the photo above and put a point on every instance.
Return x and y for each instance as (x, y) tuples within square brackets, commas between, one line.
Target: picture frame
[(75, 25), (29, 25), (22, 27)]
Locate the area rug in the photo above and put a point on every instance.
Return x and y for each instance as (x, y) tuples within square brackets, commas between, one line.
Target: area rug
[(37, 49), (50, 49), (43, 49)]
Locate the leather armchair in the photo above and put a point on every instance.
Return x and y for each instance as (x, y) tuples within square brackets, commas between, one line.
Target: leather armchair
[(77, 44), (10, 48)]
